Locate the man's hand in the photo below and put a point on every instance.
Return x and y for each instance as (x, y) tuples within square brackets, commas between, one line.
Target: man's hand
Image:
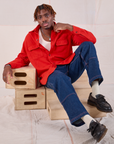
[(6, 73), (61, 26)]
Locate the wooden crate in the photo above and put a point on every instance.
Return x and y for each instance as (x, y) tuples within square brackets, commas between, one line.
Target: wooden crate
[(30, 99), (50, 95), (56, 110), (81, 92), (23, 78)]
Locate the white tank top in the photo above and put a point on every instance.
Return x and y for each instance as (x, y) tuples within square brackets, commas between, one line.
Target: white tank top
[(44, 43)]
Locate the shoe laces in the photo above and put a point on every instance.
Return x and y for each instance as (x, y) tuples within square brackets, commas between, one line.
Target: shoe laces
[(92, 128), (101, 99)]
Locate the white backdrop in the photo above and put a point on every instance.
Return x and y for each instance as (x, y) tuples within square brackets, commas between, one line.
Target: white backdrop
[(16, 19)]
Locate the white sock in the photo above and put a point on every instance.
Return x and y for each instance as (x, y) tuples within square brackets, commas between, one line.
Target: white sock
[(95, 88), (87, 119)]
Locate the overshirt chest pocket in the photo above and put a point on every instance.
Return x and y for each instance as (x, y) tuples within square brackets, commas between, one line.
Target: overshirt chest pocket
[(61, 46), (35, 52)]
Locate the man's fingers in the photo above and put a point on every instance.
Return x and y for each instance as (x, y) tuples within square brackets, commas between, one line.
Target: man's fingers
[(59, 26), (9, 76), (57, 29), (5, 78), (54, 27)]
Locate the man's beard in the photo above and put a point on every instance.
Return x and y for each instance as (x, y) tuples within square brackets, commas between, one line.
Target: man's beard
[(47, 28)]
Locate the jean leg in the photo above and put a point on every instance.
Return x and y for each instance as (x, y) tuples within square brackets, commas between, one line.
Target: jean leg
[(61, 84), (85, 58)]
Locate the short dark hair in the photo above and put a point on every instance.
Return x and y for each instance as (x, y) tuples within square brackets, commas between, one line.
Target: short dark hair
[(43, 6)]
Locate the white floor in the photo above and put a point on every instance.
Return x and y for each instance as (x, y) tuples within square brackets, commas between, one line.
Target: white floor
[(35, 126)]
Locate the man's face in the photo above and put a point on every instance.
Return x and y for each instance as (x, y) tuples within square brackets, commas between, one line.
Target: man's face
[(45, 19)]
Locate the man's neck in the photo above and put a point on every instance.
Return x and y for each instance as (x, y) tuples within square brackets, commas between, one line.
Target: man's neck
[(46, 34), (47, 31)]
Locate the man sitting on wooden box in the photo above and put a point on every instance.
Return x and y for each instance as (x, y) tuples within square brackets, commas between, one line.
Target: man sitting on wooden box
[(49, 48)]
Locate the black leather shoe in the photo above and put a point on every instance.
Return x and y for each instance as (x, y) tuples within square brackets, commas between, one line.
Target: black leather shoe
[(99, 102), (97, 130)]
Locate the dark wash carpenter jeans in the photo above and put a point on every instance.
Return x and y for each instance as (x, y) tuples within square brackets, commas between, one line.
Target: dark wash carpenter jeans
[(64, 75)]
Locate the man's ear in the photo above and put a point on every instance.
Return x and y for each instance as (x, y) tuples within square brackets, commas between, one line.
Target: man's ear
[(53, 24)]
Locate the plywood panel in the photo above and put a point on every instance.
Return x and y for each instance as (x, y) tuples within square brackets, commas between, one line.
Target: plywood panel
[(30, 99), (24, 78)]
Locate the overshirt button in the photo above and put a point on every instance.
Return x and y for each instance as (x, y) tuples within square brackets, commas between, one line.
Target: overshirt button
[(36, 39), (49, 54), (76, 32)]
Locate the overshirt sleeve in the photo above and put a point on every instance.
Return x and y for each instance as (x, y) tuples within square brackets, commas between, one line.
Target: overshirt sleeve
[(21, 60), (80, 35)]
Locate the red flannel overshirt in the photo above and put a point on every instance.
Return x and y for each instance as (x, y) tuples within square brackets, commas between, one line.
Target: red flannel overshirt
[(61, 52)]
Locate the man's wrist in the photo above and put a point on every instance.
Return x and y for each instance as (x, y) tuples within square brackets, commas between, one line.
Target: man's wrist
[(7, 65), (69, 27)]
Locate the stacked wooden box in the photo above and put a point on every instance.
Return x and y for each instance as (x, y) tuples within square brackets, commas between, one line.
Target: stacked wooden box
[(27, 95), (83, 89)]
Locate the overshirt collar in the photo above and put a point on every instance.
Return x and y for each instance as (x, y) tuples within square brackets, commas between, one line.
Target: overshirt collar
[(36, 30)]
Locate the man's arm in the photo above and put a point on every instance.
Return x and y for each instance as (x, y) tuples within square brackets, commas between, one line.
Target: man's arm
[(61, 26), (79, 35)]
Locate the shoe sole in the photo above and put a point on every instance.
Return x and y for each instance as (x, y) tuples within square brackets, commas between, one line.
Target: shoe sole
[(93, 104), (103, 134)]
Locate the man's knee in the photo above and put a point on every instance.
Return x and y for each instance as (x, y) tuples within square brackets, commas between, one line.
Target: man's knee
[(85, 46), (58, 76), (88, 46), (87, 43), (57, 79)]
